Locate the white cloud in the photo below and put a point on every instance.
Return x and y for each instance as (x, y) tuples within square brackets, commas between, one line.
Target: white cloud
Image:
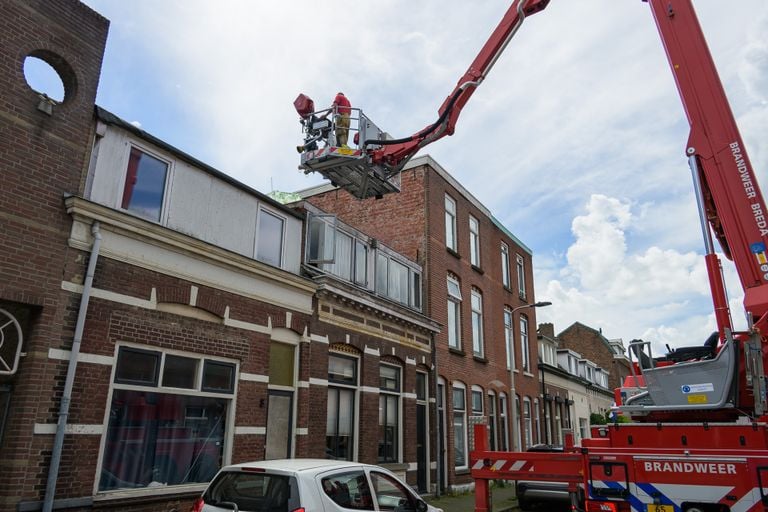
[(659, 295)]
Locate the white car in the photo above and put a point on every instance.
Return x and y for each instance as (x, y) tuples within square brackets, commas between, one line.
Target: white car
[(308, 485)]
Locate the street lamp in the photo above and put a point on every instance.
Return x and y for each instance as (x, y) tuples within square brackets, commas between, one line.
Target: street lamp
[(513, 393)]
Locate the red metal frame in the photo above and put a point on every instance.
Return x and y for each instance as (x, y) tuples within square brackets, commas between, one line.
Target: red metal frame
[(735, 207)]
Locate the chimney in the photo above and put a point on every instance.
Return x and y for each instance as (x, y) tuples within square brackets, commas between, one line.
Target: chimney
[(547, 329)]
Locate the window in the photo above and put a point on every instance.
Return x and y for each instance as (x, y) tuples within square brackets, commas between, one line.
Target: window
[(180, 372), (349, 490), (361, 263), (421, 386), (548, 353), (459, 427), (450, 223), (503, 425), (167, 419), (241, 490), (505, 265), (537, 419), (454, 313), (389, 413), (397, 281), (474, 241), (269, 246), (344, 260), (337, 252), (521, 276), (509, 338), (397, 284), (321, 236), (527, 422), (144, 188), (138, 367), (583, 428), (392, 494), (492, 421), (516, 418), (525, 353), (477, 322), (340, 426), (477, 400)]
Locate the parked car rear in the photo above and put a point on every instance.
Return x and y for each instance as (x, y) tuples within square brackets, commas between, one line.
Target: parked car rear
[(308, 485)]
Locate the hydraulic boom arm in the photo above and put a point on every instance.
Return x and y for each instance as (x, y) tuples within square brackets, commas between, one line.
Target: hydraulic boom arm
[(395, 153), (730, 201)]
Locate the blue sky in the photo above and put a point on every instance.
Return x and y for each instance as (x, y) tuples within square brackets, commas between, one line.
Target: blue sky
[(575, 141)]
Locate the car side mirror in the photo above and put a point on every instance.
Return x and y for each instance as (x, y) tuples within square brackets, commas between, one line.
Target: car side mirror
[(421, 506)]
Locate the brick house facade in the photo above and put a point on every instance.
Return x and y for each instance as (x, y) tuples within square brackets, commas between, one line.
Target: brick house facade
[(592, 345), (478, 284), (202, 341)]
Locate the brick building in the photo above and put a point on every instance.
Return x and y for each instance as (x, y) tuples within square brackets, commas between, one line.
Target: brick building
[(478, 283), (592, 345), (159, 317), (573, 388)]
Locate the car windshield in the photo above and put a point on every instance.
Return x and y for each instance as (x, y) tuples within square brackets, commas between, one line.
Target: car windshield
[(253, 492)]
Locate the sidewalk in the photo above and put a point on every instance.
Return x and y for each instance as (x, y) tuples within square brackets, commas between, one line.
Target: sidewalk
[(502, 498)]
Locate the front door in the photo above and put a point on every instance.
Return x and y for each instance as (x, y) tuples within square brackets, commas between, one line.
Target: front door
[(278, 444)]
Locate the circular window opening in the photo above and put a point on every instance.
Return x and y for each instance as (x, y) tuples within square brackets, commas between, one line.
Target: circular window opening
[(42, 78)]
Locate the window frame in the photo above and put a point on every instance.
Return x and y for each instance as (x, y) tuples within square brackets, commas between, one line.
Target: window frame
[(477, 396), (451, 242), (413, 281), (527, 422), (338, 386), (159, 389), (476, 304), (395, 395), (525, 348), (503, 421), (454, 301), (462, 414), (283, 220), (493, 421), (509, 338), (505, 275), (474, 241), (163, 214), (521, 288)]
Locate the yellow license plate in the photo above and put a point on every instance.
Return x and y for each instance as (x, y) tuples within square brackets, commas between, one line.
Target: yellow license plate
[(659, 508)]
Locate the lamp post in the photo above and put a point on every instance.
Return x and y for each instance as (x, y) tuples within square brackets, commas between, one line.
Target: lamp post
[(513, 393)]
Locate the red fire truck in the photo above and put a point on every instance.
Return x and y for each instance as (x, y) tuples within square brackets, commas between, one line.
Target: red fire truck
[(698, 441)]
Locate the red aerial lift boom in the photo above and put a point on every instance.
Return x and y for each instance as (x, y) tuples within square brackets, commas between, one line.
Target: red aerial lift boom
[(373, 168), (700, 440)]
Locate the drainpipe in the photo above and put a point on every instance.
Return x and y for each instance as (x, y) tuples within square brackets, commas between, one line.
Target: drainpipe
[(439, 440), (58, 443)]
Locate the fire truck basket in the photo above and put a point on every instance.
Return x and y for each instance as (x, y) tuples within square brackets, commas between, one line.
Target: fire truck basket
[(347, 167)]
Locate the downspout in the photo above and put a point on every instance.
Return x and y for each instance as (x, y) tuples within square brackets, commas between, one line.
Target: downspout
[(439, 441), (58, 443)]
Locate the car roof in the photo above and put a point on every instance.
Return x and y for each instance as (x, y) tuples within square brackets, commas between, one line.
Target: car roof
[(296, 465)]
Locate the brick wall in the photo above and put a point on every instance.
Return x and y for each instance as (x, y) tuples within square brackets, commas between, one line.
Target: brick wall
[(592, 345), (413, 223), (42, 157)]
